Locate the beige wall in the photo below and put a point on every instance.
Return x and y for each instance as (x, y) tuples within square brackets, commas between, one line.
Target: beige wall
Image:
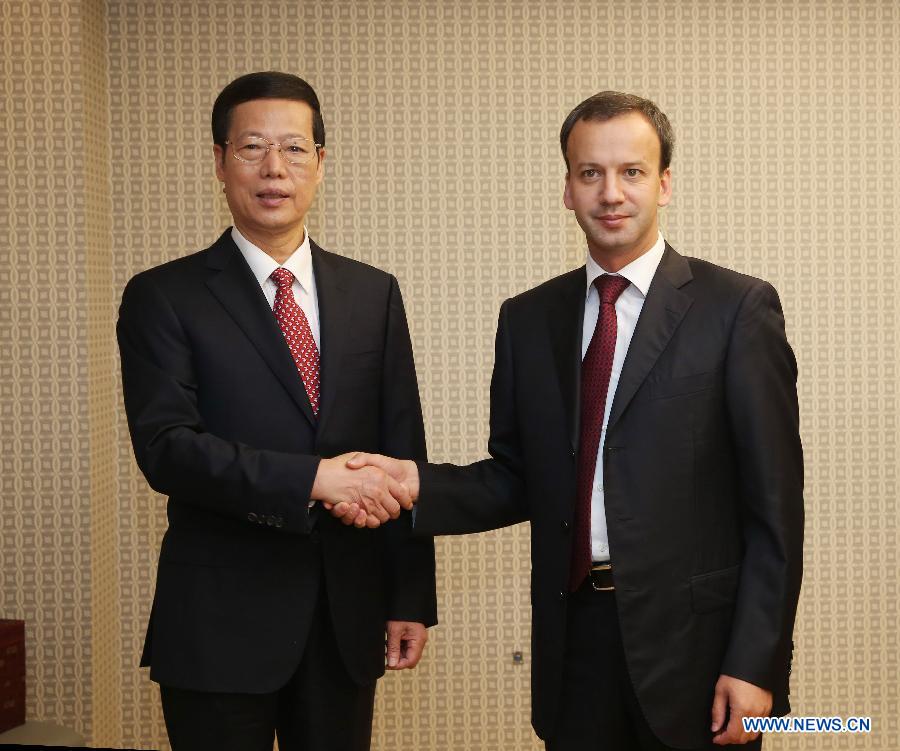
[(443, 168)]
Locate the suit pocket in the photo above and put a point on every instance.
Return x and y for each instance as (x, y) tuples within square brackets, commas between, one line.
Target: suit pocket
[(714, 590), (689, 384)]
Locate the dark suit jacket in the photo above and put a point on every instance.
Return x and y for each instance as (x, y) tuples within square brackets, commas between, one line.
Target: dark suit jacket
[(220, 422), (703, 485)]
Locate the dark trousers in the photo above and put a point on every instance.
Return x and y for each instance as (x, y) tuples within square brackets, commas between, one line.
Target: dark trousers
[(599, 710), (319, 709)]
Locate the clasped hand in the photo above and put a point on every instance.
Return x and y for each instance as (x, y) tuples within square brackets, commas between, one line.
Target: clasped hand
[(366, 490)]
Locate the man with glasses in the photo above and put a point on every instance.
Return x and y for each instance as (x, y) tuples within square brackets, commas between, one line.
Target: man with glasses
[(248, 368)]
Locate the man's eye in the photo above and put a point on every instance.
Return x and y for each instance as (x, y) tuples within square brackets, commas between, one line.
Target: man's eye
[(632, 172), (251, 147), (589, 173)]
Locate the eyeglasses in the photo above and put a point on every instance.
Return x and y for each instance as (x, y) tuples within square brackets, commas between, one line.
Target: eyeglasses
[(253, 149)]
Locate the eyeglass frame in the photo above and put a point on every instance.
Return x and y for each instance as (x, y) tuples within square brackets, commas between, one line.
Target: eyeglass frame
[(269, 145)]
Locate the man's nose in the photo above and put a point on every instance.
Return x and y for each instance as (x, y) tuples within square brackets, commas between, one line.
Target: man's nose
[(612, 190), (273, 164)]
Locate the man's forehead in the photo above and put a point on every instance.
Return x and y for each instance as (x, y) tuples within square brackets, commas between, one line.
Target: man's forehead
[(272, 112), (624, 135)]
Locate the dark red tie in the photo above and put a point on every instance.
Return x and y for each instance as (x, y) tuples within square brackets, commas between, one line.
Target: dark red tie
[(298, 335), (595, 369)]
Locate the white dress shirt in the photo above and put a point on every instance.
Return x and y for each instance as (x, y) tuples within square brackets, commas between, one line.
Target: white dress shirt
[(304, 287), (628, 309), (299, 264)]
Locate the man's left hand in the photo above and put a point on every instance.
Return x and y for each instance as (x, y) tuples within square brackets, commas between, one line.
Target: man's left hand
[(405, 642), (739, 699)]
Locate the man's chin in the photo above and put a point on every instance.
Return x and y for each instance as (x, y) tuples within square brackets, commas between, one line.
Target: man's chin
[(274, 221), (612, 243)]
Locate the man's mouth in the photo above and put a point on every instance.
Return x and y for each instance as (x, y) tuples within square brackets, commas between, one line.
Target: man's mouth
[(612, 220), (272, 197)]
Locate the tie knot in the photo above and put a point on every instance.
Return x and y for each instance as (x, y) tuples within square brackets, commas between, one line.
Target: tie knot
[(282, 278), (610, 287)]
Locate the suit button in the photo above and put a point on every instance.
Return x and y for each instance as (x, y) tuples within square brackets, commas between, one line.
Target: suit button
[(251, 517), (562, 596), (565, 526)]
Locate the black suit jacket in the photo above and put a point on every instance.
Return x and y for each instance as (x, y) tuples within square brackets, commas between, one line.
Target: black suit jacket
[(220, 422), (703, 484)]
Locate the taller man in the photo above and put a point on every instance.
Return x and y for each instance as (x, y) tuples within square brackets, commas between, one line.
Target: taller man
[(242, 365), (644, 420)]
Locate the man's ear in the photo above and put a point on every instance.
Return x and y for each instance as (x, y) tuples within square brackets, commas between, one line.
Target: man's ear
[(665, 188), (320, 167), (219, 156), (567, 194)]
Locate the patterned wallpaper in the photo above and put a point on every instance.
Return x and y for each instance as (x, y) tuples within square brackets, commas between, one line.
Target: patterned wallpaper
[(443, 168), (45, 483)]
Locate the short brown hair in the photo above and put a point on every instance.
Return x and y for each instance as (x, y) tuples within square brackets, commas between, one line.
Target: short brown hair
[(609, 104)]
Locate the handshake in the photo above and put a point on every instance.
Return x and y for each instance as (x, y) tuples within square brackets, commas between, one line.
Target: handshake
[(366, 490)]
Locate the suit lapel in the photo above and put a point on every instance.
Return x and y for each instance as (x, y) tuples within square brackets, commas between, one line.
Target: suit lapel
[(334, 319), (663, 311), (237, 290), (566, 320)]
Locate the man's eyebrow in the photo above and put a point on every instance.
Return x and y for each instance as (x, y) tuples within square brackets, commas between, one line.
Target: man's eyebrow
[(626, 165), (261, 135)]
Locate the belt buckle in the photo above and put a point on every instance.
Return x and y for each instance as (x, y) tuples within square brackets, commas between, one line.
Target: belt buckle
[(601, 567)]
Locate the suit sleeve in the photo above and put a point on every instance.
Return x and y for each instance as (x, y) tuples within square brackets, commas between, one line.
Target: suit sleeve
[(173, 448), (409, 560), (761, 393), (490, 493)]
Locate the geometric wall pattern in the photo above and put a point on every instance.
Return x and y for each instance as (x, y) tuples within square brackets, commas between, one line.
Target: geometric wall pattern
[(45, 448), (443, 167)]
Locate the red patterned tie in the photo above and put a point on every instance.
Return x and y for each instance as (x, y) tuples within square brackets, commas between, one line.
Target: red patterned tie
[(595, 370), (297, 334)]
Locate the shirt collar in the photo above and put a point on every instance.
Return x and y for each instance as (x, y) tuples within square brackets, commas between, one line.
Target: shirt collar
[(639, 272), (262, 264)]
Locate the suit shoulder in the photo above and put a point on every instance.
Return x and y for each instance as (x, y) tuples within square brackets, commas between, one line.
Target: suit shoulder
[(165, 284), (353, 272), (177, 268), (724, 295), (563, 284), (352, 265), (727, 280)]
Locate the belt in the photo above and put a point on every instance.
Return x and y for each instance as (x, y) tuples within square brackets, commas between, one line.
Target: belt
[(601, 577)]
